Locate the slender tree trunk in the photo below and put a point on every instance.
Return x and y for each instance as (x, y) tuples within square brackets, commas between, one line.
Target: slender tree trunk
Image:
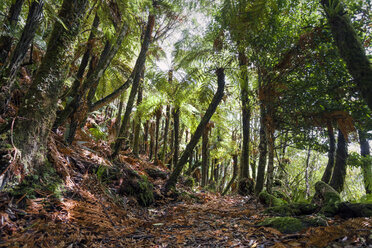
[(307, 173), (152, 139), (339, 172), (84, 61), (137, 76), (205, 156), (350, 47), (158, 115), (9, 24), (146, 138), (37, 114), (138, 120), (367, 165), (270, 163), (331, 155), (35, 15), (176, 127), (263, 152), (246, 112), (199, 130), (235, 174), (166, 129)]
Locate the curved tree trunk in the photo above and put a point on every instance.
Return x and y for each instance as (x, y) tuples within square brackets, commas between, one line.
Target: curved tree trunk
[(199, 130), (138, 121), (339, 172), (350, 47), (331, 155), (37, 114), (9, 24), (367, 166)]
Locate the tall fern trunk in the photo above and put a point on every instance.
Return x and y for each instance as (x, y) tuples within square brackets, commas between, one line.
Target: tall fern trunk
[(339, 172), (146, 138), (38, 111), (166, 130), (205, 156), (331, 155), (176, 131), (137, 129), (367, 165), (263, 151), (9, 25), (246, 112), (139, 67), (350, 47), (84, 61), (158, 114), (152, 139), (199, 130), (33, 21)]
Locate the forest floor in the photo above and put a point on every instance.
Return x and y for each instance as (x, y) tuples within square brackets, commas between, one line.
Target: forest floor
[(89, 213)]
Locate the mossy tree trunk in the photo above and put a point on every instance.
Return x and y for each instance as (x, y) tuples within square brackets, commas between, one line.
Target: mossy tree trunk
[(199, 130), (8, 25), (331, 155), (367, 165), (37, 113), (339, 172), (350, 47)]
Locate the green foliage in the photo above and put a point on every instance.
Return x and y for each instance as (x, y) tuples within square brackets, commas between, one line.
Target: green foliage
[(356, 160)]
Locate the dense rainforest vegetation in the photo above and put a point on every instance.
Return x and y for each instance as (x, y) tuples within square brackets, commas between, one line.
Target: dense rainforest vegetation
[(115, 112)]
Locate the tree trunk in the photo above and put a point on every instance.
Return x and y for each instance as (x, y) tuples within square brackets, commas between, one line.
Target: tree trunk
[(270, 163), (244, 87), (199, 130), (158, 115), (367, 165), (166, 129), (84, 61), (138, 120), (331, 155), (339, 172), (37, 114), (307, 173), (350, 47), (176, 127), (9, 24), (152, 139), (35, 15), (205, 156), (141, 60), (146, 138), (263, 152)]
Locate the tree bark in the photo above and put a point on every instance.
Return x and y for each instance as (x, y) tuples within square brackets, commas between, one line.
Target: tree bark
[(339, 172), (367, 165), (350, 47), (9, 25), (37, 113), (331, 155), (307, 172), (158, 115), (199, 130)]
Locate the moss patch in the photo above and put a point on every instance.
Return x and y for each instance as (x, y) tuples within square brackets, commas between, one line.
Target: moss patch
[(292, 225), (270, 200), (293, 209), (327, 198)]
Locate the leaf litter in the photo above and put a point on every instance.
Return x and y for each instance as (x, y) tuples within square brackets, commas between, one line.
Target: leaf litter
[(90, 213)]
